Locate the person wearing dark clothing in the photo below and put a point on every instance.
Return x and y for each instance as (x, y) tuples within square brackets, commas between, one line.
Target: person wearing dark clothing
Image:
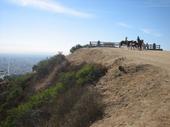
[(98, 43), (154, 46), (138, 39)]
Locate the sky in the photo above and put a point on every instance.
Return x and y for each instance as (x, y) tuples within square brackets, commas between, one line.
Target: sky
[(49, 26)]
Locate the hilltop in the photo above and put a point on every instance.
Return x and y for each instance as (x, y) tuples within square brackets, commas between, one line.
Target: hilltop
[(96, 87), (107, 56), (138, 97)]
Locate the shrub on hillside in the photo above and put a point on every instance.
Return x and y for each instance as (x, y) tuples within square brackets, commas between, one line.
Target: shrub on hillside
[(68, 78), (78, 107), (84, 74), (89, 73), (44, 67), (15, 115), (88, 109), (13, 94), (74, 48)]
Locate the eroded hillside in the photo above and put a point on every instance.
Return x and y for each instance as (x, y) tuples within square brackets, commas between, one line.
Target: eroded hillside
[(97, 87), (136, 88)]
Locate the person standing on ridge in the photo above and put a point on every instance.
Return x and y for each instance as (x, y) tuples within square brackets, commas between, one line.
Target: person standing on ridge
[(138, 39)]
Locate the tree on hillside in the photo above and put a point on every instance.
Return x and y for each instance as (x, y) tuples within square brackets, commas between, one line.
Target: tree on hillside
[(73, 49)]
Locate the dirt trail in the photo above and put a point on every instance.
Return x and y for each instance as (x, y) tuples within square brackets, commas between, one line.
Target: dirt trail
[(48, 80), (107, 56), (138, 98)]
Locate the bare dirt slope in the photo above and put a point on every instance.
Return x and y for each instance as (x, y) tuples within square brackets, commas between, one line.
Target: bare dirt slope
[(138, 95)]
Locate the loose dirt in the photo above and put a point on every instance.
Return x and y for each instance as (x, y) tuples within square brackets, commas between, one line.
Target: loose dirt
[(136, 88)]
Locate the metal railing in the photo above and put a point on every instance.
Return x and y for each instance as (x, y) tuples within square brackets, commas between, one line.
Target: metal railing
[(104, 44)]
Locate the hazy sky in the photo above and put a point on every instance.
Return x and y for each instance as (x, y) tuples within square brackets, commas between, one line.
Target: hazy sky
[(44, 26)]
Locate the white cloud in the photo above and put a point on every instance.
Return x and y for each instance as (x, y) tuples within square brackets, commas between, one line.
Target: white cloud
[(52, 6), (122, 24), (151, 32)]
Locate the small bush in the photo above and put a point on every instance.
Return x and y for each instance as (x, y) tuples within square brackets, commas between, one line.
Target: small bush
[(73, 49), (89, 73), (68, 78), (78, 107)]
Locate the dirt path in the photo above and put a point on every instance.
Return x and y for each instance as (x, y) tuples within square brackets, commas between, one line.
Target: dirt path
[(157, 58), (138, 98), (107, 56), (48, 80)]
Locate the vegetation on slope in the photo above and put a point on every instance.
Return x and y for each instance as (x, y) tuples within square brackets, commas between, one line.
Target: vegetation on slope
[(74, 48), (78, 46), (12, 93), (70, 102), (44, 67)]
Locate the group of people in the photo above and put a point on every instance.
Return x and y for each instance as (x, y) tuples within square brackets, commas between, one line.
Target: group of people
[(139, 44)]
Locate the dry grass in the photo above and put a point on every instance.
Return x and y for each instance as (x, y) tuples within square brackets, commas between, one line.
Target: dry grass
[(138, 98)]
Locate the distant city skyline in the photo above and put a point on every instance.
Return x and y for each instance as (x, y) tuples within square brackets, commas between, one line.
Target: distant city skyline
[(16, 64), (49, 26)]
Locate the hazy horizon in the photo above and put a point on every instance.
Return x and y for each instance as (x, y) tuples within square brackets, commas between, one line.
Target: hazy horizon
[(49, 26), (48, 54)]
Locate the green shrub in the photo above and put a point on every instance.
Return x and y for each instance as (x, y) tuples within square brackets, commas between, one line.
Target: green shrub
[(68, 78), (34, 101), (13, 94), (78, 107), (74, 48), (44, 67), (89, 73)]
